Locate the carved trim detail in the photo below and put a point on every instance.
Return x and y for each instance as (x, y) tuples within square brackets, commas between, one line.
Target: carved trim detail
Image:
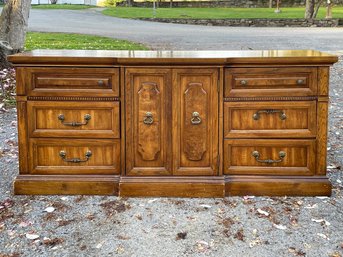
[(71, 98), (280, 98)]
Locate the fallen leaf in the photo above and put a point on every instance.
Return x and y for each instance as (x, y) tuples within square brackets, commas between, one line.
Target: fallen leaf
[(25, 224), (322, 197), (153, 200), (322, 236), (49, 209), (32, 236), (335, 254), (52, 242), (296, 252), (120, 249), (311, 206), (279, 226), (322, 221), (181, 235), (263, 212), (202, 246), (239, 235)]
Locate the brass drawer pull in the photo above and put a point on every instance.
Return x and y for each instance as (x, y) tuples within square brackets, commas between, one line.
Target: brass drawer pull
[(282, 115), (300, 81), (87, 117), (243, 82), (148, 119), (63, 155), (195, 118), (100, 83), (256, 154)]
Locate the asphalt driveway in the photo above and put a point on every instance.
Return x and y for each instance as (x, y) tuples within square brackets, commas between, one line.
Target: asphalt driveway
[(178, 36)]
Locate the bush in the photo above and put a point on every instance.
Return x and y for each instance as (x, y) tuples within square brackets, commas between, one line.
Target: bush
[(7, 86), (112, 3)]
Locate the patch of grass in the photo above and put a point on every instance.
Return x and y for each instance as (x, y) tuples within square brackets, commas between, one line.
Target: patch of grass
[(37, 40), (61, 6), (216, 13)]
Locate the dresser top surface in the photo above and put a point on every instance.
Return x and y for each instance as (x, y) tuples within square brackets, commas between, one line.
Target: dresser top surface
[(201, 57)]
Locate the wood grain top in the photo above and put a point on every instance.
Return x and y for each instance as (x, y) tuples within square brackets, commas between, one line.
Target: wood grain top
[(105, 57)]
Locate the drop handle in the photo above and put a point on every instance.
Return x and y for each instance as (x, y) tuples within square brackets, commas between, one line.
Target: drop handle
[(148, 118), (256, 154), (195, 118), (257, 114), (86, 118), (63, 155)]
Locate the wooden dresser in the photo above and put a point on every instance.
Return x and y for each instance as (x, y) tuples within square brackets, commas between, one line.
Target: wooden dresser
[(173, 123)]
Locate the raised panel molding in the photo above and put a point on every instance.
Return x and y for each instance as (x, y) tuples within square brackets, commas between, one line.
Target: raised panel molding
[(149, 135), (196, 102)]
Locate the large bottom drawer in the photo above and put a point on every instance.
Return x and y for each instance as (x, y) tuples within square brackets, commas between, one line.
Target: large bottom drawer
[(74, 156), (269, 157)]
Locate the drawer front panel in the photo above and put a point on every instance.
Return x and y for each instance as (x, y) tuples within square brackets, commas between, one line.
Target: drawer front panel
[(269, 119), (74, 156), (74, 119), (148, 134), (250, 82), (269, 157), (72, 81)]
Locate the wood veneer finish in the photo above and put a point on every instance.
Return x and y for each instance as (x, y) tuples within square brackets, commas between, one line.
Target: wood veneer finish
[(173, 123)]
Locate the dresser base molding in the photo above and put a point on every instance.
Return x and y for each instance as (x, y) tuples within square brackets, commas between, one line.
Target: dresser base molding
[(66, 185), (172, 186), (277, 186)]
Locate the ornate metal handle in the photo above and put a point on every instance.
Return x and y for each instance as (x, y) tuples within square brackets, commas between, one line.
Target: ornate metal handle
[(148, 119), (243, 82), (282, 115), (63, 155), (256, 154), (87, 117), (300, 81), (195, 118)]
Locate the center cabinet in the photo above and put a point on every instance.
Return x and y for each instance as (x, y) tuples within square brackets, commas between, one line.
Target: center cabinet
[(171, 121)]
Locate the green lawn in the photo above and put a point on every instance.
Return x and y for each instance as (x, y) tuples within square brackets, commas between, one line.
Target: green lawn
[(36, 40), (215, 13), (61, 6)]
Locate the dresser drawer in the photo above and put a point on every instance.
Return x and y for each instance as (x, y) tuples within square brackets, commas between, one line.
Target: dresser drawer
[(269, 157), (71, 81), (74, 119), (74, 156), (269, 119), (279, 81)]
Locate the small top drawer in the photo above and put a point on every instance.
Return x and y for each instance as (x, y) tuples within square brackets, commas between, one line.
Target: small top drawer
[(278, 81), (54, 81)]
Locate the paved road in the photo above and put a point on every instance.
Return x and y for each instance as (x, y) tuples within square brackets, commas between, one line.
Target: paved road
[(177, 36)]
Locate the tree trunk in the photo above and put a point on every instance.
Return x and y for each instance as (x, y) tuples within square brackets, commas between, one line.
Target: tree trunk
[(13, 27), (312, 8), (309, 9)]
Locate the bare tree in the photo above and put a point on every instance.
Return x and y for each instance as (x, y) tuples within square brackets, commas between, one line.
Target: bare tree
[(13, 27), (312, 8)]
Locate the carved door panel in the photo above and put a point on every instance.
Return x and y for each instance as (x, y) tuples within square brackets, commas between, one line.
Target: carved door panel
[(195, 116), (148, 121)]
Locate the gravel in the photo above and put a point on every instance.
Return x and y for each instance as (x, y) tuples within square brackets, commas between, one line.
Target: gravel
[(233, 226)]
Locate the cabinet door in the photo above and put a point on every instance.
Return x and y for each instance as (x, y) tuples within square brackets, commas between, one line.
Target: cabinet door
[(148, 121), (195, 116)]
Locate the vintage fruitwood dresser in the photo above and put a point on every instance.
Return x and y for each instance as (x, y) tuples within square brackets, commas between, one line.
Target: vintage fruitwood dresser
[(173, 123)]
